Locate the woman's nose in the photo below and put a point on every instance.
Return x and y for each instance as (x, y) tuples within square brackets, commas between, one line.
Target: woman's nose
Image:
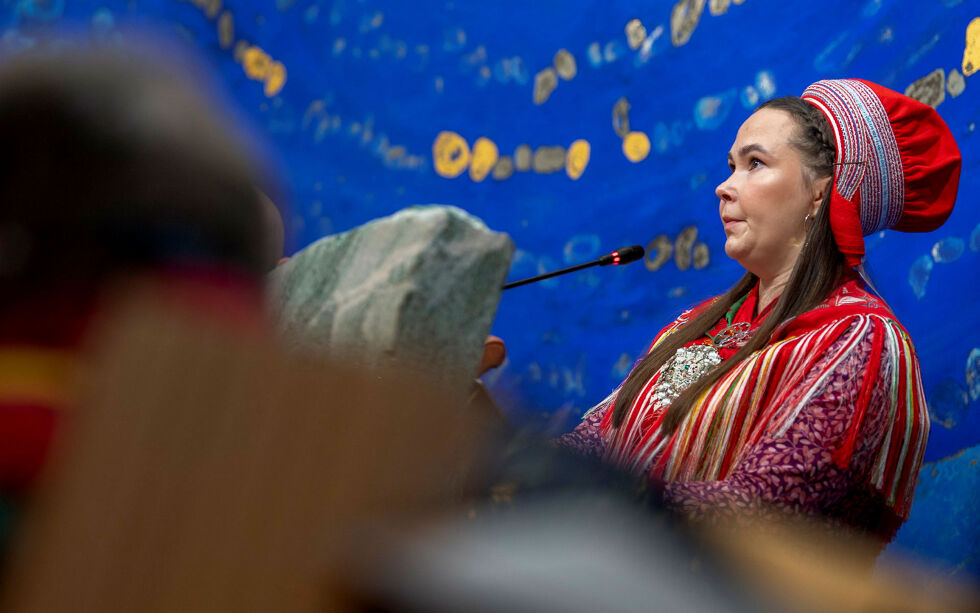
[(725, 190)]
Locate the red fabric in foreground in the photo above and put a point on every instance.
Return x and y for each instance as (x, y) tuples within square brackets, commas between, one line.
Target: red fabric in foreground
[(29, 421), (26, 430)]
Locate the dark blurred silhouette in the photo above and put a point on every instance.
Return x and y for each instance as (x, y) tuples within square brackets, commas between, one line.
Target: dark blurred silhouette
[(114, 165), (111, 164)]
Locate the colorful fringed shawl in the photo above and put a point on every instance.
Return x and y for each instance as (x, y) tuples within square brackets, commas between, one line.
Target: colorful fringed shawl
[(753, 399)]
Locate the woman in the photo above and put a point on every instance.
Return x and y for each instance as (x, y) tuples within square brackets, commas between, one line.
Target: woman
[(797, 390)]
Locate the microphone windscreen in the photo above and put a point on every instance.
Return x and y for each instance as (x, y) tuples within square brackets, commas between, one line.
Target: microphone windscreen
[(629, 254)]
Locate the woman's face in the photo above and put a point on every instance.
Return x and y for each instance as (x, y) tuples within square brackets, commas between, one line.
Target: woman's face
[(764, 202)]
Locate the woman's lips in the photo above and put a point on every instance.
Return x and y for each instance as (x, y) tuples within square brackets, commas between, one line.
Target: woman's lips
[(729, 223)]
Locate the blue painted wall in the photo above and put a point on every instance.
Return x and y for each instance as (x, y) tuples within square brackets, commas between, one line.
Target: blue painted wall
[(577, 130)]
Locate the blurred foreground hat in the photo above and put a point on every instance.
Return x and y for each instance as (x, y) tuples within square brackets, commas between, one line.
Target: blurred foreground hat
[(898, 165)]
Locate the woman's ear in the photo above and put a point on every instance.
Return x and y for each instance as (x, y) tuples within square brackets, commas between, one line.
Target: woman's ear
[(820, 187)]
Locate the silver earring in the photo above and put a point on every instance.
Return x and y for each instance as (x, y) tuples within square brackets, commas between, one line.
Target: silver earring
[(806, 229)]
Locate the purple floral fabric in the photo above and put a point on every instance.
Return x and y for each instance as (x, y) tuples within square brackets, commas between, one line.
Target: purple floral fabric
[(795, 472)]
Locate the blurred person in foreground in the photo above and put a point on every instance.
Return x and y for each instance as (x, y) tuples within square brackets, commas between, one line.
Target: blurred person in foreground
[(113, 167), (797, 391)]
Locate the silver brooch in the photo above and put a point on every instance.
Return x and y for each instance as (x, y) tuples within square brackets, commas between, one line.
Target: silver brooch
[(687, 366), (733, 335)]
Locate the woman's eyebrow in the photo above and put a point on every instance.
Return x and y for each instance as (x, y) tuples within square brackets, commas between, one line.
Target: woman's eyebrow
[(747, 149)]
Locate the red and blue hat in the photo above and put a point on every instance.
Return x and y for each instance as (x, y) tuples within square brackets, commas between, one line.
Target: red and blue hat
[(897, 167)]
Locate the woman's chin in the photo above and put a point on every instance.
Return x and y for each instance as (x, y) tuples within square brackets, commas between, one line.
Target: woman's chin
[(734, 250), (741, 255)]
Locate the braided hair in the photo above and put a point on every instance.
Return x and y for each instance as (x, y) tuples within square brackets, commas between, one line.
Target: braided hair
[(819, 269), (813, 139)]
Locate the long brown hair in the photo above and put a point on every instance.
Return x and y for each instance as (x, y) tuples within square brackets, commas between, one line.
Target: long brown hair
[(818, 270)]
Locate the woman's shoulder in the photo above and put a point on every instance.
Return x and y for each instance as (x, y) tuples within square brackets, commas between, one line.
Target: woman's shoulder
[(855, 293), (852, 303), (853, 297)]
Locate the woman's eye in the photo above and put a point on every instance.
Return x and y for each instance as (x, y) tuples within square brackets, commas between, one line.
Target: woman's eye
[(755, 163)]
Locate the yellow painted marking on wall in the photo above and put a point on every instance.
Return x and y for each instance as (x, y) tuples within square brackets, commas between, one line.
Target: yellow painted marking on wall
[(545, 82), (450, 154), (504, 168), (718, 7), (686, 15), (683, 19), (315, 110), (564, 63), (484, 157), (548, 159), (955, 83), (636, 146), (522, 158), (930, 89), (971, 55), (275, 79), (621, 118), (577, 158), (256, 63), (212, 8), (239, 51), (226, 30), (260, 67), (635, 33)]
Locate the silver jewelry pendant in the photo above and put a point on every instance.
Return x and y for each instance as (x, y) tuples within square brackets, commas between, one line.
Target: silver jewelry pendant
[(734, 334), (687, 366)]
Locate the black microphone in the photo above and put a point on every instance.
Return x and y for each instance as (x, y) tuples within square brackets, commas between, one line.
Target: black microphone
[(621, 256)]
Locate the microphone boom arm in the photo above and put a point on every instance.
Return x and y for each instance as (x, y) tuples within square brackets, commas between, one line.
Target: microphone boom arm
[(548, 275), (619, 257)]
